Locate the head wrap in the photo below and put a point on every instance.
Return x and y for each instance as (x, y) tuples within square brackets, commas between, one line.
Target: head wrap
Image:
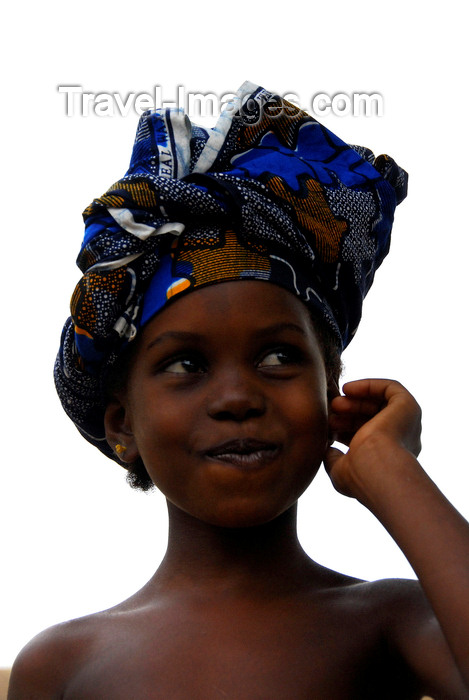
[(268, 193)]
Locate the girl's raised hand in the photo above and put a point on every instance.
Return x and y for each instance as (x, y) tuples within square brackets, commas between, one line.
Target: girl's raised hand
[(377, 419)]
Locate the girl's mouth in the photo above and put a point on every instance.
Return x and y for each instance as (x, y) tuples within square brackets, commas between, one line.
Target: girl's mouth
[(244, 453)]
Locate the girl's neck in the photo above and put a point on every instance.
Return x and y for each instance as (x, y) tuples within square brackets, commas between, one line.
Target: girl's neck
[(238, 559)]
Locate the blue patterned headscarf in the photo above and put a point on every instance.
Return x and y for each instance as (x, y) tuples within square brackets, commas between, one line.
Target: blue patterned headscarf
[(268, 194)]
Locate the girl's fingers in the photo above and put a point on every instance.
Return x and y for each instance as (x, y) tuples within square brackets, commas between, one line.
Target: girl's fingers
[(383, 403), (381, 389), (366, 407)]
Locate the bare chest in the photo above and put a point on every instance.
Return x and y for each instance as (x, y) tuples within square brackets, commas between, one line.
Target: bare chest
[(232, 653)]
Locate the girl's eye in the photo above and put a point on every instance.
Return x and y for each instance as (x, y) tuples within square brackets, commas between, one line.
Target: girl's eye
[(185, 365), (277, 358)]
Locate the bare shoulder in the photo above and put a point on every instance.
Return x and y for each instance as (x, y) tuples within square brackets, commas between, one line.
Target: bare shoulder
[(46, 664), (394, 595), (412, 632), (389, 609), (402, 611), (405, 610), (393, 625)]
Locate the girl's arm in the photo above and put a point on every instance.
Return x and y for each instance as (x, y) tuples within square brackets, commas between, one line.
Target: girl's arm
[(380, 421)]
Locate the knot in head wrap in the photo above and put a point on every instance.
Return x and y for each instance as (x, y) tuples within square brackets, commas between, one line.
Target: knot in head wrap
[(268, 193)]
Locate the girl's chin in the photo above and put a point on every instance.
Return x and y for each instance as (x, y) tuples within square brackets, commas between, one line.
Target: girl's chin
[(240, 518)]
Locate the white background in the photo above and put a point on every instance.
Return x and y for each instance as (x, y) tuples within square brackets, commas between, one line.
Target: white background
[(75, 538)]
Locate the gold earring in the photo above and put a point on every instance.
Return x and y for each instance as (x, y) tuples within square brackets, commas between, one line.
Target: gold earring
[(120, 449)]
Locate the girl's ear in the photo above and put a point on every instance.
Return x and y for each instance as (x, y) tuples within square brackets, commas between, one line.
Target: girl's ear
[(119, 433), (332, 389)]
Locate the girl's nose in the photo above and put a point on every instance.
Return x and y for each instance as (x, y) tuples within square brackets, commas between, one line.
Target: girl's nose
[(235, 397)]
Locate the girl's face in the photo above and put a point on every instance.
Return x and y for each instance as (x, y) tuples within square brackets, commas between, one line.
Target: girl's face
[(226, 403)]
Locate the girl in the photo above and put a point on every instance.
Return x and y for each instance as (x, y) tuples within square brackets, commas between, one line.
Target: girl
[(223, 276)]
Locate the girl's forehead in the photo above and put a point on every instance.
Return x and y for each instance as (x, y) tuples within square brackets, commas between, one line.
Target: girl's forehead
[(243, 303)]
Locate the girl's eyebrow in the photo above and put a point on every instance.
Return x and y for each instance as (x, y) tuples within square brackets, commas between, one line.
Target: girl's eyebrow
[(279, 328), (174, 335), (189, 336)]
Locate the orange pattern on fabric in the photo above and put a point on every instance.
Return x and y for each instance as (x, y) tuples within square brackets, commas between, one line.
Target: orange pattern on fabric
[(226, 260), (282, 119), (142, 195), (177, 287), (314, 215), (83, 306)]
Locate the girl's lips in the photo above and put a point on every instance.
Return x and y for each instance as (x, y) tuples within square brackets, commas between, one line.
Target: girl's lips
[(244, 453)]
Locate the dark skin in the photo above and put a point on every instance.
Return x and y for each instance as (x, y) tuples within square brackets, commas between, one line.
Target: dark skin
[(227, 404)]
